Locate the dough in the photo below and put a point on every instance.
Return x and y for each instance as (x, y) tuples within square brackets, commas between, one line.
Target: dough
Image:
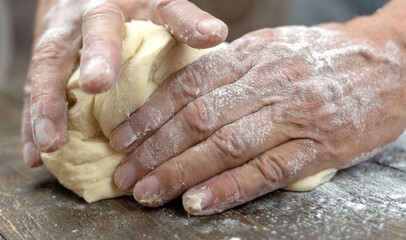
[(309, 183), (86, 163)]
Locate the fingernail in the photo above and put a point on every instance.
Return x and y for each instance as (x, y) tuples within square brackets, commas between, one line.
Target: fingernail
[(122, 137), (125, 176), (196, 201), (46, 133), (147, 190), (95, 68), (30, 154), (210, 26)]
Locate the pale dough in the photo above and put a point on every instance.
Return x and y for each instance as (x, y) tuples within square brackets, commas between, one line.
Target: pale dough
[(86, 163), (309, 183)]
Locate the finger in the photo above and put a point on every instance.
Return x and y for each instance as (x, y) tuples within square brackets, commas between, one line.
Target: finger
[(52, 64), (229, 147), (194, 123), (181, 88), (103, 29), (31, 154), (188, 23), (272, 170)]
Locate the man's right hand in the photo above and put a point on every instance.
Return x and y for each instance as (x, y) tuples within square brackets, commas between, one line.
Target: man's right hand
[(99, 26)]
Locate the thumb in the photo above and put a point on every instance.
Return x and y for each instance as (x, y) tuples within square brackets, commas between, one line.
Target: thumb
[(188, 23)]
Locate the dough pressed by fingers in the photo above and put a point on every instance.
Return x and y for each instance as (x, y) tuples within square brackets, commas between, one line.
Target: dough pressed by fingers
[(86, 163), (311, 182)]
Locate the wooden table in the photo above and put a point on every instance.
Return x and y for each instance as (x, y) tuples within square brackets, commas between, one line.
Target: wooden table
[(366, 201)]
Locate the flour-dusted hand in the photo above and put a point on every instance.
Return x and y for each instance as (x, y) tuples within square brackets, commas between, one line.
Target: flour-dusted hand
[(275, 106), (63, 26)]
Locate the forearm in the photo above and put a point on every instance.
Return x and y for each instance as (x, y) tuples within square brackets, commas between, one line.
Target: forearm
[(395, 9), (387, 24)]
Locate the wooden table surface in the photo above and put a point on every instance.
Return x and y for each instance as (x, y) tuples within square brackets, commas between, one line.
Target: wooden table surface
[(363, 202)]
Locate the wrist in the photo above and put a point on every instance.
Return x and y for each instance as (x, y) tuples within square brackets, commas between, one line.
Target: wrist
[(387, 24)]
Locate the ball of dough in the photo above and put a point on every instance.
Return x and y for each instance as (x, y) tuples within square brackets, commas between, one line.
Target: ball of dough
[(86, 163)]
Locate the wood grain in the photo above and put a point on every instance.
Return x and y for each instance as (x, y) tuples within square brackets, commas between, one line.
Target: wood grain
[(363, 202)]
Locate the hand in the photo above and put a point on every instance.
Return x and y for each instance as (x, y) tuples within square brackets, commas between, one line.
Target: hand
[(275, 106), (99, 26)]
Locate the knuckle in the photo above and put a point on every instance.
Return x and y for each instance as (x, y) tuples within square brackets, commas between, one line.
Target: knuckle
[(163, 4), (235, 185), (107, 8), (145, 156), (293, 72), (161, 8), (271, 169), (188, 82), (45, 96), (248, 46), (26, 122), (181, 175), (176, 176), (49, 52), (230, 145), (198, 117)]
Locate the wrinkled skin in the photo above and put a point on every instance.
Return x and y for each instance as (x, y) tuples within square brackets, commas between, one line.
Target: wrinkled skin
[(99, 27), (275, 106)]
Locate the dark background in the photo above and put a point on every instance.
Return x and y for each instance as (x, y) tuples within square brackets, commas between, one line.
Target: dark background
[(22, 19)]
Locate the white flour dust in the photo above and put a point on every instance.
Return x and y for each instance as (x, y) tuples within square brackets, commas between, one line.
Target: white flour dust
[(311, 77)]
